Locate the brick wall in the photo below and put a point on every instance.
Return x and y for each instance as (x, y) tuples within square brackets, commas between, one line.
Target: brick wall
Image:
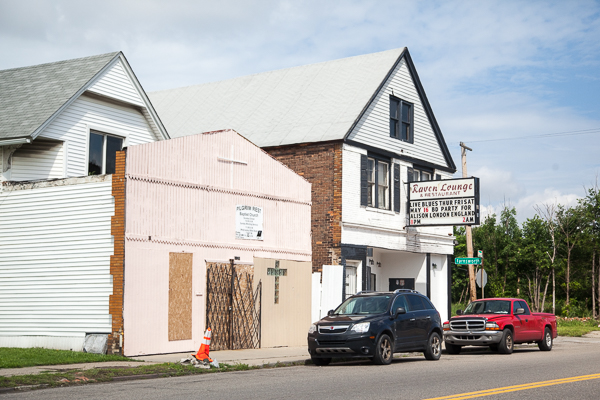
[(321, 165), (117, 260)]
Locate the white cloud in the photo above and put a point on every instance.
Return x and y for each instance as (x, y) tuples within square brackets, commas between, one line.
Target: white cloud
[(495, 69)]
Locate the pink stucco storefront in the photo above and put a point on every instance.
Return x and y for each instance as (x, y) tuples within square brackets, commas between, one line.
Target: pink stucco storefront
[(182, 203)]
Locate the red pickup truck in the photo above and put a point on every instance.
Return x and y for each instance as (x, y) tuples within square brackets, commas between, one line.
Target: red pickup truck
[(499, 324)]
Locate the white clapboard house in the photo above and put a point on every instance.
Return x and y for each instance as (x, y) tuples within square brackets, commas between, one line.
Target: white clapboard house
[(359, 129), (62, 124)]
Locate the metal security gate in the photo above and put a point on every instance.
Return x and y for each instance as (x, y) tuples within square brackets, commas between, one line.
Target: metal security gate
[(232, 306)]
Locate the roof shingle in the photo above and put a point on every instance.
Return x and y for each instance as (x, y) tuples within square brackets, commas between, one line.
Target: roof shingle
[(29, 96), (310, 103)]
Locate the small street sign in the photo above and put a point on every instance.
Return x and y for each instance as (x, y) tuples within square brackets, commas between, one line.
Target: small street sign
[(465, 261)]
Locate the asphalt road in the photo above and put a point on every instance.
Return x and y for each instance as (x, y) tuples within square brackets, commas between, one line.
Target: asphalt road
[(570, 371)]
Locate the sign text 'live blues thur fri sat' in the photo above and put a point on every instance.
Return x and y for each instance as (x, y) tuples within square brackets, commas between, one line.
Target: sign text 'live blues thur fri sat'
[(444, 202)]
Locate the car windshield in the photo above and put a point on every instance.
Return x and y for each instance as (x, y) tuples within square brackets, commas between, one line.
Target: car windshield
[(488, 307), (364, 305)]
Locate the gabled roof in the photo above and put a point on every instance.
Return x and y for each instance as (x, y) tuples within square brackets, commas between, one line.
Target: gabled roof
[(33, 96), (310, 103), (306, 104)]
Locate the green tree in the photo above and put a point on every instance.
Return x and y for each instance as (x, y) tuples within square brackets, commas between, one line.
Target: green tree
[(535, 264), (510, 243), (569, 221)]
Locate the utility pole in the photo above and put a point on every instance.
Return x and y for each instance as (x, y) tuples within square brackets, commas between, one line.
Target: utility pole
[(472, 287)]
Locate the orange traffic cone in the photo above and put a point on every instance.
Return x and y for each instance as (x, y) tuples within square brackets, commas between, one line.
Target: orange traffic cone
[(204, 348)]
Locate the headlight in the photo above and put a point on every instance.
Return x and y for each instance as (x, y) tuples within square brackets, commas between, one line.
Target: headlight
[(312, 328), (492, 326), (446, 326), (362, 327)]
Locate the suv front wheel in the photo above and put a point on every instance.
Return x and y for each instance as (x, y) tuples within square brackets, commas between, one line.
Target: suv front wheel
[(383, 351)]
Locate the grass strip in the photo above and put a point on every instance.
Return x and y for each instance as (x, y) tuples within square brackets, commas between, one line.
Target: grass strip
[(576, 327), (78, 377), (18, 358)]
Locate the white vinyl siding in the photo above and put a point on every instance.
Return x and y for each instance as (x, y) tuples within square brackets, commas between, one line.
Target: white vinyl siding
[(42, 159), (115, 83), (87, 113), (56, 244), (384, 228), (374, 127)]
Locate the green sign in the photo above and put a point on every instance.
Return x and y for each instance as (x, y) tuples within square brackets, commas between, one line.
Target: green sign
[(473, 261)]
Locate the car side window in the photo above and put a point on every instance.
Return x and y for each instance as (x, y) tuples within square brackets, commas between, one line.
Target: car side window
[(400, 301), (427, 303), (415, 303)]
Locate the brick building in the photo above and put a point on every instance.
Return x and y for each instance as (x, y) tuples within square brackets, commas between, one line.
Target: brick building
[(359, 129)]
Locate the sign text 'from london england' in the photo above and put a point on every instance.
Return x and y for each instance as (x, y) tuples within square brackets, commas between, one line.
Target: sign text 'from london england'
[(444, 202)]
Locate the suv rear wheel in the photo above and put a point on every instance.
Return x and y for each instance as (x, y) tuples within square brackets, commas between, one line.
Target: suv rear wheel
[(383, 351), (434, 347)]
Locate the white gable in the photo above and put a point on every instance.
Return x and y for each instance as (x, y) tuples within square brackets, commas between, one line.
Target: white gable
[(116, 83), (373, 128)]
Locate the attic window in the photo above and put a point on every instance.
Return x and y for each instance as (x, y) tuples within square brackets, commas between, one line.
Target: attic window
[(401, 120), (102, 155)]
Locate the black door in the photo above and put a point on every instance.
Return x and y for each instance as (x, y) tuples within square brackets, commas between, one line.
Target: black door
[(422, 317)]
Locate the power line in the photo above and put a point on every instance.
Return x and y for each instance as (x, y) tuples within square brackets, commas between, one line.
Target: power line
[(542, 136)]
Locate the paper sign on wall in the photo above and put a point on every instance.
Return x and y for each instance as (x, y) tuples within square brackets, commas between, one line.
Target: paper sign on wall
[(248, 222)]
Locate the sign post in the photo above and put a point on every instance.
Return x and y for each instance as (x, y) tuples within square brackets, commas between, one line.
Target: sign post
[(480, 255)]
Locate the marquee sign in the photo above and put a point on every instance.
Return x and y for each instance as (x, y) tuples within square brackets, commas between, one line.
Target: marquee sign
[(443, 203)]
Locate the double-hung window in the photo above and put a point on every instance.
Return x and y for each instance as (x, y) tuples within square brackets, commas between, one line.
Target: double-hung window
[(378, 180), (420, 175), (102, 153), (401, 120)]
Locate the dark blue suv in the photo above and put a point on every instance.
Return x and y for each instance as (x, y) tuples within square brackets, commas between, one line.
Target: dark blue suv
[(376, 325)]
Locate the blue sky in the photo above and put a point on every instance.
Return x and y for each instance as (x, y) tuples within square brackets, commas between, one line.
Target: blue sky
[(502, 76)]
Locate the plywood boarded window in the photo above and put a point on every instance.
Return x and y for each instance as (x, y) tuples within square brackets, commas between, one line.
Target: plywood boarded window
[(180, 296)]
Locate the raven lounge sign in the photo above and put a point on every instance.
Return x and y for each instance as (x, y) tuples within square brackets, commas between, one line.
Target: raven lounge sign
[(445, 202)]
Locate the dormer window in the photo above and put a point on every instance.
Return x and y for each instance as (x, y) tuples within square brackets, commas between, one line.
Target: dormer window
[(401, 120), (102, 155)]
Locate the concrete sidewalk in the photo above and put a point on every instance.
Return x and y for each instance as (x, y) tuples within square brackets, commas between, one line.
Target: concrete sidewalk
[(247, 356)]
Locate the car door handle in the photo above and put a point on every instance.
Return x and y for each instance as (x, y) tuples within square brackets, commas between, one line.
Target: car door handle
[(412, 319), (428, 317)]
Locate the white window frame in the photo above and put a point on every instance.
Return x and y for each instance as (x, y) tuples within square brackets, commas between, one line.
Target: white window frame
[(100, 130), (373, 183)]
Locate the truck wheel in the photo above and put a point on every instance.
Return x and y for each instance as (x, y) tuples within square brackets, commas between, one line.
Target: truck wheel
[(452, 348), (546, 343), (383, 351), (321, 362), (433, 351), (506, 345)]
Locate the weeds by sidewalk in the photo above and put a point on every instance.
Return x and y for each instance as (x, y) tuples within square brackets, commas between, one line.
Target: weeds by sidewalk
[(576, 327), (19, 358), (101, 374)]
